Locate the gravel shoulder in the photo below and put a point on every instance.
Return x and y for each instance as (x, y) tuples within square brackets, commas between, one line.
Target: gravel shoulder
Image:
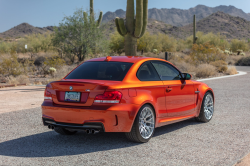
[(20, 98), (222, 141)]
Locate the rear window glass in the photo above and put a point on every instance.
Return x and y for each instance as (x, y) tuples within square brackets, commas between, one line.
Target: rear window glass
[(114, 71)]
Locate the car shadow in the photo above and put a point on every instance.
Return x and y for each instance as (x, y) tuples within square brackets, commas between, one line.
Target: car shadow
[(51, 144)]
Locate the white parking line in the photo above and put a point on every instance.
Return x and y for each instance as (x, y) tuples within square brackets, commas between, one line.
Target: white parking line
[(240, 73)]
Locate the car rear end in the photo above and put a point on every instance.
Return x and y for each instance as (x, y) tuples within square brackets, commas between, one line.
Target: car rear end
[(89, 98)]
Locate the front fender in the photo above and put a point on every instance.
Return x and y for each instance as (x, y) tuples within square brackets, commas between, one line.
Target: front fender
[(203, 89)]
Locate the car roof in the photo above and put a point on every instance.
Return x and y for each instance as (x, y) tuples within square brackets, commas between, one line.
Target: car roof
[(130, 59)]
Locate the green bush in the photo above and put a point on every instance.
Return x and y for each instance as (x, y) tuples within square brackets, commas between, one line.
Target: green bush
[(206, 53), (215, 40), (239, 45), (117, 43), (160, 42), (10, 66)]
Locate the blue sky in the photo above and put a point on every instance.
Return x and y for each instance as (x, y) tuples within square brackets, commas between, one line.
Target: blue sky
[(43, 13)]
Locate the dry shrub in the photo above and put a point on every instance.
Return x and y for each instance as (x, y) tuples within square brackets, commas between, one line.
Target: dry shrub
[(232, 60), (205, 70), (244, 61), (221, 66), (231, 70), (184, 67), (59, 74), (63, 71), (21, 79)]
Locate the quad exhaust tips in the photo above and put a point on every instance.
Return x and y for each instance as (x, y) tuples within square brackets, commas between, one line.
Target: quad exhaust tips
[(51, 127), (88, 131)]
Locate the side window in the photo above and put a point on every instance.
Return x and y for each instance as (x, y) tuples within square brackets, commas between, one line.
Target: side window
[(147, 73), (166, 71)]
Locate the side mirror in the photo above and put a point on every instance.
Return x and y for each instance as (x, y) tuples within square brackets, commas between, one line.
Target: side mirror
[(186, 76)]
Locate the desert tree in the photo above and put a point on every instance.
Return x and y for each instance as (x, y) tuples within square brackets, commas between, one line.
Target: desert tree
[(77, 35)]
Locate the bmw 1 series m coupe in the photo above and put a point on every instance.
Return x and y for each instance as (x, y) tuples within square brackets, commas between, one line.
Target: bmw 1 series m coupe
[(126, 94)]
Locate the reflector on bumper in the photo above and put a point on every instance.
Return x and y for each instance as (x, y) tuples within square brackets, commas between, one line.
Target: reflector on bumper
[(106, 101)]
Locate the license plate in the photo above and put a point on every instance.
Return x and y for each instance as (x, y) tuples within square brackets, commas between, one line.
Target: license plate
[(72, 96)]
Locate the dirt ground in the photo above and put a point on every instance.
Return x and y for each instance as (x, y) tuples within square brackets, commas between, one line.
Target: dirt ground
[(19, 98), (244, 162), (26, 97)]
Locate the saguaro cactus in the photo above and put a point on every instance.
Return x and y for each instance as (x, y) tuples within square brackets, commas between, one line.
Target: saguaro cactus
[(194, 30), (92, 16), (133, 28)]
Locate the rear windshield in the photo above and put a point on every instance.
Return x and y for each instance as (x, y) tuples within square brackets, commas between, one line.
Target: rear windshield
[(114, 71)]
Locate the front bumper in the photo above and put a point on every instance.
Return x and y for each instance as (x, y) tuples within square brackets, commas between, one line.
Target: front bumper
[(108, 118)]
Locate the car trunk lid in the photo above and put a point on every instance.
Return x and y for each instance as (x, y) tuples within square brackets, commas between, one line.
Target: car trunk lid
[(87, 90)]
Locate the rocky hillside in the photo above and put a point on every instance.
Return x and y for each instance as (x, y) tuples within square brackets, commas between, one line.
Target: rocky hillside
[(153, 27), (219, 22), (179, 17), (24, 29)]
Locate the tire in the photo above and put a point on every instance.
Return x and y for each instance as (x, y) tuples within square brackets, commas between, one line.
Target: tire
[(138, 132), (207, 108), (64, 131)]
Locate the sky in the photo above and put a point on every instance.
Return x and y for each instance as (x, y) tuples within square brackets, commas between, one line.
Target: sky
[(42, 13)]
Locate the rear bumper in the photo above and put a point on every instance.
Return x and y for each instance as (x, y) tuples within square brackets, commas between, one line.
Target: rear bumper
[(108, 118), (97, 126)]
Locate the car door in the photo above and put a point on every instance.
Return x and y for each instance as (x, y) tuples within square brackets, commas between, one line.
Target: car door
[(151, 85), (180, 94)]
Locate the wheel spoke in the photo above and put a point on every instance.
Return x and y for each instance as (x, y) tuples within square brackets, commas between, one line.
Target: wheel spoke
[(146, 122)]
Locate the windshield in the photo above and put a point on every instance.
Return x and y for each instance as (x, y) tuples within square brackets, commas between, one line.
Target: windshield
[(114, 71)]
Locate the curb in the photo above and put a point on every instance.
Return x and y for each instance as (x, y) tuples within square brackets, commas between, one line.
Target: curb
[(14, 85), (240, 73)]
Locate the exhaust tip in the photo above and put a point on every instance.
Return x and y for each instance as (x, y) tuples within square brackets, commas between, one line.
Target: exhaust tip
[(88, 131), (95, 131), (51, 127)]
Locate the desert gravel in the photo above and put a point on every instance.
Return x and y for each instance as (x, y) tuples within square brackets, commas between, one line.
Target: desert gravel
[(222, 141)]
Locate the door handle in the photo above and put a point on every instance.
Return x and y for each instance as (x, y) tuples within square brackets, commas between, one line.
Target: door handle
[(169, 89)]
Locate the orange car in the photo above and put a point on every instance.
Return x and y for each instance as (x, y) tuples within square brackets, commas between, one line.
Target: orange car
[(126, 94)]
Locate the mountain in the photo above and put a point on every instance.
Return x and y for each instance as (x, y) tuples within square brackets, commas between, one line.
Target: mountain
[(153, 27), (219, 22), (24, 29), (179, 17), (112, 15)]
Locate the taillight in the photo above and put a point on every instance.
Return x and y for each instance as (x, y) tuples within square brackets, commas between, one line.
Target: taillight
[(47, 94), (109, 97)]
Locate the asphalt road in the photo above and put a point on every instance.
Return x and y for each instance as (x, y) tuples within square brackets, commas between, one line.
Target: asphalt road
[(222, 141)]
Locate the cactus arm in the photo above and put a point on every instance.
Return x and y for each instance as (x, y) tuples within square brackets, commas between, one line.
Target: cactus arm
[(91, 7), (139, 18), (130, 16), (117, 26), (99, 19), (145, 17), (122, 27), (85, 17)]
